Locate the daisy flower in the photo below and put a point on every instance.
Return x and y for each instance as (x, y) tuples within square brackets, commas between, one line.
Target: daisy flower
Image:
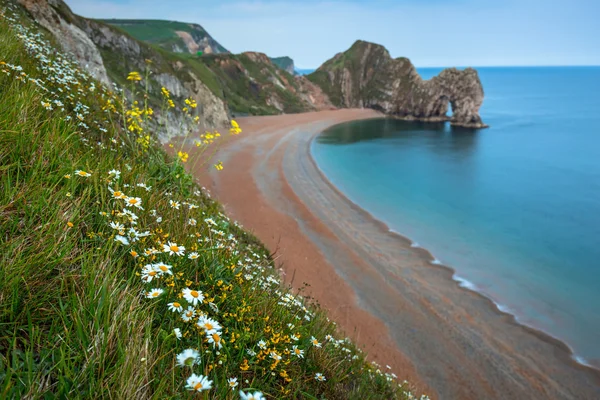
[(148, 273), (133, 202), (116, 194), (175, 307), (193, 296), (232, 382), (192, 222), (252, 396), (117, 226), (121, 239), (188, 314), (319, 376), (315, 342), (188, 357), (83, 173), (163, 268), (215, 339), (298, 352), (209, 325), (173, 248), (154, 293), (174, 204), (275, 356), (262, 344), (198, 383), (177, 333), (193, 256)]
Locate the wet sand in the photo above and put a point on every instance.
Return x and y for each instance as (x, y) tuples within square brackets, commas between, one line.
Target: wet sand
[(451, 343)]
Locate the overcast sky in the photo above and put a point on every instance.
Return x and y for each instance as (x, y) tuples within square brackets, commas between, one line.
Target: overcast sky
[(429, 32)]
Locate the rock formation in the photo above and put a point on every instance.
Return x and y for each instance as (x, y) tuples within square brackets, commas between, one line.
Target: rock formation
[(367, 76), (285, 63)]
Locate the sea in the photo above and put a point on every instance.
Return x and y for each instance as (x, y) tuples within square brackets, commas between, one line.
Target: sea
[(514, 209)]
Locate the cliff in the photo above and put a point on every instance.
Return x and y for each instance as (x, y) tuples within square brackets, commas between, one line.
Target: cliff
[(178, 37), (285, 63), (367, 76)]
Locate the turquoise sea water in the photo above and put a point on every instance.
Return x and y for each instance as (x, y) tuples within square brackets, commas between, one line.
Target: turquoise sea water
[(514, 209)]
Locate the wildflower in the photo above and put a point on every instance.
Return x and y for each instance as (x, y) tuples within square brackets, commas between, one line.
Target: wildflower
[(70, 224), (328, 337), (294, 338), (149, 273), (192, 222), (134, 254), (134, 76), (319, 376), (133, 202), (154, 293), (173, 248), (315, 342), (209, 325), (193, 256), (177, 333), (252, 396), (275, 356), (165, 92), (175, 306), (117, 194), (188, 357), (232, 382), (117, 226), (115, 173), (193, 296), (198, 383), (174, 204), (235, 128), (68, 194), (183, 156), (215, 339), (163, 268), (262, 344), (121, 239), (46, 105), (188, 314), (251, 352), (298, 352), (219, 166), (67, 176), (83, 173)]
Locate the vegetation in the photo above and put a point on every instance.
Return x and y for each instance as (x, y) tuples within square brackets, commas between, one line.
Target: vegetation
[(120, 277), (163, 33)]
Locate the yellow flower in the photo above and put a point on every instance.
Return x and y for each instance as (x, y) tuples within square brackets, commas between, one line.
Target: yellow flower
[(219, 166), (235, 128), (134, 76), (70, 224), (183, 156), (165, 92)]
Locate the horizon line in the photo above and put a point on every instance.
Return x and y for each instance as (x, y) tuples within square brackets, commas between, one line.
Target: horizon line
[(498, 66)]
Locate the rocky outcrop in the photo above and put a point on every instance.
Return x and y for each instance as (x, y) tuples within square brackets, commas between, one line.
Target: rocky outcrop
[(109, 55), (367, 76), (285, 63)]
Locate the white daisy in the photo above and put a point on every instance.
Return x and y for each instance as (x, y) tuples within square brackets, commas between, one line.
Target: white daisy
[(192, 222), (174, 204), (215, 339), (262, 344), (297, 352), (193, 296), (83, 173), (252, 396), (188, 357), (175, 307), (319, 376), (148, 273), (188, 314), (133, 202), (173, 248), (163, 268), (154, 293), (232, 382), (121, 239), (177, 333), (198, 383), (193, 256), (209, 325), (315, 342)]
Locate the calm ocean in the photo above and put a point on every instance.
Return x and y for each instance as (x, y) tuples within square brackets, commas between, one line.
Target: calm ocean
[(514, 209)]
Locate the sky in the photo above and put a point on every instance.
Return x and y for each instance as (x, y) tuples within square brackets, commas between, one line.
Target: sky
[(432, 33)]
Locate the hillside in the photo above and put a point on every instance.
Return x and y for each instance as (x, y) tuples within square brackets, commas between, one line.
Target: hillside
[(366, 75), (178, 37), (285, 63), (121, 277)]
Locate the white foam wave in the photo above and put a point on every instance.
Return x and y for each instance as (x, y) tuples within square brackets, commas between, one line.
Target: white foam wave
[(436, 262), (415, 244)]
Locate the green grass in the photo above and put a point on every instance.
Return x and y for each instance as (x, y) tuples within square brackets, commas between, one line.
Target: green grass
[(74, 318)]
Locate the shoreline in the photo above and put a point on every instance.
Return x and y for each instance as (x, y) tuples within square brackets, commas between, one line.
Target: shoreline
[(462, 283), (441, 337)]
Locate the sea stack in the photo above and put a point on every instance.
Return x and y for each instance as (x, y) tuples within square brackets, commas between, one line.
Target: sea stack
[(367, 76)]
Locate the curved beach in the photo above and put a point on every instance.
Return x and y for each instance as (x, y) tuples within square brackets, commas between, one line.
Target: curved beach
[(452, 343)]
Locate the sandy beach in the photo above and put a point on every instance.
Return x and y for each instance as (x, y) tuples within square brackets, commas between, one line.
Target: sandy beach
[(451, 343)]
